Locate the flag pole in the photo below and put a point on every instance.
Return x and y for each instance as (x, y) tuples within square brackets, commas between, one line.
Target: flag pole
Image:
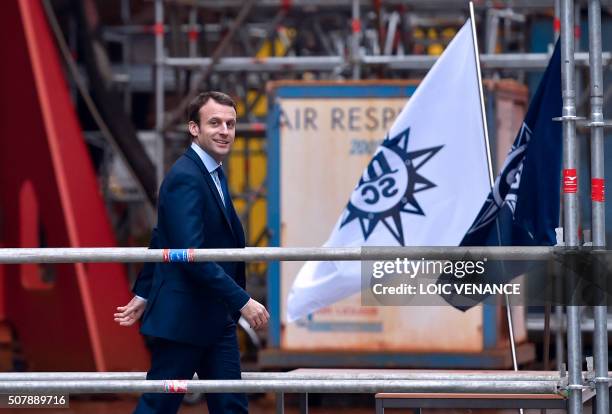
[(481, 93), (491, 179)]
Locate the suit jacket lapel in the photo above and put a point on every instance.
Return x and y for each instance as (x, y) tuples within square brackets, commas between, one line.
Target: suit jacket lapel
[(213, 188)]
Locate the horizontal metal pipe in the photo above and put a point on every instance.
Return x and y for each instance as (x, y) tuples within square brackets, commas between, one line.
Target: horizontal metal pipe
[(536, 323), (284, 385), (407, 62), (240, 64), (261, 254), (487, 61), (415, 375), (435, 5)]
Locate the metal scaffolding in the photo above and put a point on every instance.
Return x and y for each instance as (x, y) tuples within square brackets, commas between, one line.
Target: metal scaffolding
[(335, 64), (496, 382), (570, 198), (353, 64), (356, 56)]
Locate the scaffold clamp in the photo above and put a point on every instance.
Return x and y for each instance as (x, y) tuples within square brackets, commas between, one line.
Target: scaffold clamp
[(598, 380), (579, 387), (569, 118), (604, 124)]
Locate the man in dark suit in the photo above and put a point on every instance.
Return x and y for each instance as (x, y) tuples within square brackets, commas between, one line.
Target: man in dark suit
[(190, 309)]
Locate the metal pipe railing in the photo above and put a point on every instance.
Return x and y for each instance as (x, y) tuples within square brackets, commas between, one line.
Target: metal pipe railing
[(435, 5), (283, 385), (260, 254), (532, 61), (411, 376)]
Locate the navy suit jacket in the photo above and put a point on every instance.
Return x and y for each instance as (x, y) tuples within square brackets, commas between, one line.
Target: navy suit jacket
[(192, 302)]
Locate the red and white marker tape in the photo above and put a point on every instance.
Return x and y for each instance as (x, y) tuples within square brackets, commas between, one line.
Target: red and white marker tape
[(158, 29), (176, 386), (598, 190), (570, 181), (178, 255)]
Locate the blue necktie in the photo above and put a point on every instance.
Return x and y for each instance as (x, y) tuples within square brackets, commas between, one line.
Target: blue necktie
[(224, 188)]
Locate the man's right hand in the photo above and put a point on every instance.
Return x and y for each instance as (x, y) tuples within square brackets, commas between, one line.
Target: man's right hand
[(255, 314), (130, 313)]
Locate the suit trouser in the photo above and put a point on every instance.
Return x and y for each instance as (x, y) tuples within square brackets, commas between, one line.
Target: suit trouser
[(174, 360)]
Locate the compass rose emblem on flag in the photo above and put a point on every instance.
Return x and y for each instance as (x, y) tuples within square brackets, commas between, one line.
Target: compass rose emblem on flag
[(388, 186)]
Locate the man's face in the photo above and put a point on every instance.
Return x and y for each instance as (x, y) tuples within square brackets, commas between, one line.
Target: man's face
[(217, 129)]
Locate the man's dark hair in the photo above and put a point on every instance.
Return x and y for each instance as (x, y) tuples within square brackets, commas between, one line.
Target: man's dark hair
[(193, 110)]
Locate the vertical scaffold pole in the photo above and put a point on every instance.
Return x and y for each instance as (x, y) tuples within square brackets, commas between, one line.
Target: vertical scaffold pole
[(557, 19), (570, 196), (158, 29), (559, 314), (192, 35), (356, 36), (600, 333)]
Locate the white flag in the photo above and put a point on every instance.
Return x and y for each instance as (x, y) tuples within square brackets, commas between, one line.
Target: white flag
[(424, 185)]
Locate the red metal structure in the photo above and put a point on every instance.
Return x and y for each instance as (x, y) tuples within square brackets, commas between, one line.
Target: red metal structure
[(49, 197)]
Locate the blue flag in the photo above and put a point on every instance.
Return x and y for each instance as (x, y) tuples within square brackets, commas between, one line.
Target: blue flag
[(522, 209)]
